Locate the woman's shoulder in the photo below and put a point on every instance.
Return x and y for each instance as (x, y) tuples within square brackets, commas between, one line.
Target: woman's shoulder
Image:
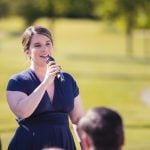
[(19, 82), (23, 75), (68, 76)]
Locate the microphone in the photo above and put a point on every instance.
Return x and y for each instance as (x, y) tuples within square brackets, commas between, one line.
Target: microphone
[(60, 75)]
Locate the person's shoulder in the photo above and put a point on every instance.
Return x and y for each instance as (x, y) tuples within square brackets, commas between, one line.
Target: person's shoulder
[(67, 75), (69, 78), (23, 75)]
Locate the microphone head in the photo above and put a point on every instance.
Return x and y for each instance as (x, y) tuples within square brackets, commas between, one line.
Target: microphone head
[(59, 74), (49, 58)]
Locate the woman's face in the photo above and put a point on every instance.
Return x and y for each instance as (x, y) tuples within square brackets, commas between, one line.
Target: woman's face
[(40, 47)]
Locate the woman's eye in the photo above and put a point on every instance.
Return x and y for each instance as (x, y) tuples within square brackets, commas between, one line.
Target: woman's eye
[(37, 45), (48, 44)]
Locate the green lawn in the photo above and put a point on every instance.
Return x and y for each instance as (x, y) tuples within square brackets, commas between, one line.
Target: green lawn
[(97, 59)]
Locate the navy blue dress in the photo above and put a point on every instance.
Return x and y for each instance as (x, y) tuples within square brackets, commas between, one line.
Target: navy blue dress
[(48, 126)]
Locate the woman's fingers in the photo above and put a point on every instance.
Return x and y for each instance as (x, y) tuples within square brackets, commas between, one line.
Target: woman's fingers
[(53, 68)]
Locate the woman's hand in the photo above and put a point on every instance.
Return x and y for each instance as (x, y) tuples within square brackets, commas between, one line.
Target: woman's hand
[(52, 70)]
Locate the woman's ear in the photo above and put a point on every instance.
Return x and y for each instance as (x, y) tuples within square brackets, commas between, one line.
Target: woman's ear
[(86, 141), (27, 52)]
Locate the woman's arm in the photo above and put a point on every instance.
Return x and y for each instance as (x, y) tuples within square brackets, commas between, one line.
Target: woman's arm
[(21, 104), (75, 116), (77, 111)]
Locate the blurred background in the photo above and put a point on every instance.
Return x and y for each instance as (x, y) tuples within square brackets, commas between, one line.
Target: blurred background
[(104, 44)]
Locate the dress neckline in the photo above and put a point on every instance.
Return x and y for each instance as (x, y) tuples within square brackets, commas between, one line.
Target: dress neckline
[(46, 92)]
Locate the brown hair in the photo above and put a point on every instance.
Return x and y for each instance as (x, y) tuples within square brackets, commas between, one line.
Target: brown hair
[(104, 126), (30, 31)]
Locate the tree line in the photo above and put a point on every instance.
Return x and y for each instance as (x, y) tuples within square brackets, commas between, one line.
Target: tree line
[(133, 13)]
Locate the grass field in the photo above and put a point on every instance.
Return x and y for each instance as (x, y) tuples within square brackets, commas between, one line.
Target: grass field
[(97, 59)]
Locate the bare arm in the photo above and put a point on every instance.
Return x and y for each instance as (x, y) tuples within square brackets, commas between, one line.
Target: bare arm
[(21, 104), (76, 115), (78, 111)]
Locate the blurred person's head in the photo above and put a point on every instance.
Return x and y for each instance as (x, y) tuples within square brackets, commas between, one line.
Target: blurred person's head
[(102, 129)]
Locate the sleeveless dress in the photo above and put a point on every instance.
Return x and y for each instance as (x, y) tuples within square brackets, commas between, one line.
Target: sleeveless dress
[(48, 126)]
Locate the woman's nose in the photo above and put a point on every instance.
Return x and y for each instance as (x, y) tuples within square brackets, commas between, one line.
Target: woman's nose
[(44, 48)]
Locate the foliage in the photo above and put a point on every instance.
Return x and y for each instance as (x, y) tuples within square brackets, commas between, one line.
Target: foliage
[(4, 8), (133, 13), (31, 10), (127, 10)]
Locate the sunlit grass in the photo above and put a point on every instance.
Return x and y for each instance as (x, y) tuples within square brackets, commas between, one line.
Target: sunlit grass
[(98, 61)]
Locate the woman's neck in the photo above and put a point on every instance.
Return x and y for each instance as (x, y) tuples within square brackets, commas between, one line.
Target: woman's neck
[(39, 71)]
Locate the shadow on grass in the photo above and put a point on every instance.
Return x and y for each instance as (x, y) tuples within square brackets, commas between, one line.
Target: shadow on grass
[(145, 126), (111, 76), (15, 33), (109, 58)]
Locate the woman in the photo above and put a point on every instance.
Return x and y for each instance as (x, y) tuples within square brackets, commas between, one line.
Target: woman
[(40, 101)]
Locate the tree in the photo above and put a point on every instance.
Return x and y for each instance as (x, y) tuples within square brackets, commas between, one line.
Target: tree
[(4, 8), (128, 10)]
